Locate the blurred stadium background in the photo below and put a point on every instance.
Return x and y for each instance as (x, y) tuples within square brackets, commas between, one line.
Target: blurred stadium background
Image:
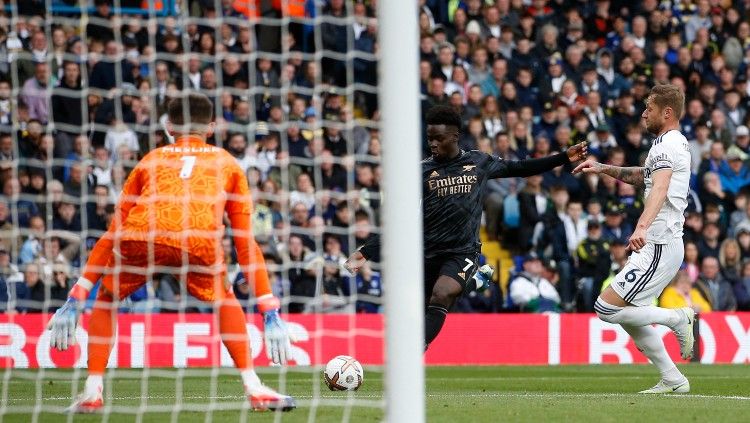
[(83, 88)]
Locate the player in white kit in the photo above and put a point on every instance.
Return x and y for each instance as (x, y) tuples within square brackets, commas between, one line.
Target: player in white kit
[(656, 242)]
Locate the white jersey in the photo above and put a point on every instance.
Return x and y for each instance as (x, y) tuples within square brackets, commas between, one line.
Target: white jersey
[(669, 151)]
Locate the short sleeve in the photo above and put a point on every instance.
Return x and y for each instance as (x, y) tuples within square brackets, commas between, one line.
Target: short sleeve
[(663, 156)]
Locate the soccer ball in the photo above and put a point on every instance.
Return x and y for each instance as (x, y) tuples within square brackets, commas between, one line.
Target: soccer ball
[(343, 373)]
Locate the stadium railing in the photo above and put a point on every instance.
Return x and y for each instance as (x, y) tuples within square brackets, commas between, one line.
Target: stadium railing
[(59, 7)]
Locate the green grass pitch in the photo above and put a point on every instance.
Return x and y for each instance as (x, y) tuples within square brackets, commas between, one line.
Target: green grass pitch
[(454, 394)]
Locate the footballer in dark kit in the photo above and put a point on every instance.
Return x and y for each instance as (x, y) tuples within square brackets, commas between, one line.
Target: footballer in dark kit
[(452, 193)]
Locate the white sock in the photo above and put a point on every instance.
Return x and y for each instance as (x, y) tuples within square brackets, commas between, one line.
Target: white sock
[(94, 385), (649, 342), (638, 316), (250, 379)]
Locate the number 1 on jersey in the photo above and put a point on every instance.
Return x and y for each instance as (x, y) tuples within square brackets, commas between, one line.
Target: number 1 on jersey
[(187, 167)]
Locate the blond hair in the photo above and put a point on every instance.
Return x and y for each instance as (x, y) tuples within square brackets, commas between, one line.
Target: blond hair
[(668, 95)]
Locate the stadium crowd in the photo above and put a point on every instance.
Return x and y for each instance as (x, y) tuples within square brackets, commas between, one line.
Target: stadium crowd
[(81, 103)]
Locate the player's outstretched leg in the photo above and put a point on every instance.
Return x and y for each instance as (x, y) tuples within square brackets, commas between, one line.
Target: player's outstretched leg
[(444, 293), (637, 321), (101, 337), (234, 336), (681, 320), (649, 342)]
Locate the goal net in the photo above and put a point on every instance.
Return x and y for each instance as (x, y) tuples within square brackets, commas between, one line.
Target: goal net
[(84, 89)]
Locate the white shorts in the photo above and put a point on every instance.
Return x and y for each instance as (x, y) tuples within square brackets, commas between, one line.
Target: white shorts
[(648, 272)]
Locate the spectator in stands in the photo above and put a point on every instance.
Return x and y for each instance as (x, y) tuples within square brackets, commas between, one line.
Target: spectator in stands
[(99, 210), (530, 292), (535, 81), (682, 293), (104, 73), (304, 193), (37, 294), (336, 289), (737, 175), (730, 260), (60, 284), (615, 225), (594, 264), (332, 175), (9, 234), (716, 290), (709, 243), (369, 289), (715, 161), (100, 26), (691, 261), (533, 204), (67, 110), (742, 287), (713, 193), (553, 240), (12, 287), (302, 271), (34, 93)]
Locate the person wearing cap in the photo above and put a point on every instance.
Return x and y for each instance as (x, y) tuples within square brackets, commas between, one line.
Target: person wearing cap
[(593, 265), (473, 31), (592, 81), (615, 225), (601, 138), (548, 123), (530, 292), (737, 175), (551, 84), (742, 140)]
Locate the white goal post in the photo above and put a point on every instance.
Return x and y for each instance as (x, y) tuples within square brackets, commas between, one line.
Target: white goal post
[(402, 223)]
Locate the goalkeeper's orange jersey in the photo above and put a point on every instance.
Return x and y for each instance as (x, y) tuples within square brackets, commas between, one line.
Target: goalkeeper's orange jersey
[(176, 196)]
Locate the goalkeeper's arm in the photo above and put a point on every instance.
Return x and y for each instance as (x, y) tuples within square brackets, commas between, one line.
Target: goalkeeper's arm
[(250, 257)]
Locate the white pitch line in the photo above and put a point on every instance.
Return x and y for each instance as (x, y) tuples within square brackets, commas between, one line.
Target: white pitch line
[(431, 395), (465, 379)]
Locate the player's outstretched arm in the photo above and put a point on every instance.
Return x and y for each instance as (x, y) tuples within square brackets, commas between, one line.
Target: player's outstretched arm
[(252, 263), (368, 251), (630, 175), (355, 262), (654, 201), (529, 167)]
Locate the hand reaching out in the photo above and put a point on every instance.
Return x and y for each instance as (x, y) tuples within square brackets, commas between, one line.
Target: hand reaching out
[(578, 152), (355, 262), (589, 166)]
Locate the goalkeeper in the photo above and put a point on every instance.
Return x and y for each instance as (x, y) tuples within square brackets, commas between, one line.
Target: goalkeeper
[(452, 189), (170, 218)]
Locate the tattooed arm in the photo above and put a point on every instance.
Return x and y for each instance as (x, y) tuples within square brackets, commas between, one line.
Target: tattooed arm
[(630, 175)]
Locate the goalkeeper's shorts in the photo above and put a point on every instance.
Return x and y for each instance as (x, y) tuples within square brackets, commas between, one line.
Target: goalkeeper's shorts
[(133, 263)]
